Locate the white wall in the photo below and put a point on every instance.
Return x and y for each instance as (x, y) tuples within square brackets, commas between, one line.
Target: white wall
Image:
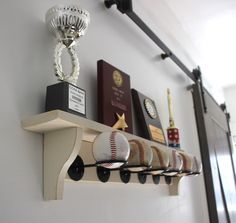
[(26, 69)]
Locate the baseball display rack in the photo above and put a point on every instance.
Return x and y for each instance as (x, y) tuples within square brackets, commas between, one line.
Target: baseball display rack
[(68, 140), (77, 169)]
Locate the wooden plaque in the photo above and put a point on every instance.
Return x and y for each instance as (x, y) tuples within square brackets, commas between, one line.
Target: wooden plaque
[(114, 96), (148, 118)]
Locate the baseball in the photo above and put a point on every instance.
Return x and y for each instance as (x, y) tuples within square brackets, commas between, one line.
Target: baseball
[(175, 164), (187, 163), (160, 161), (111, 146), (140, 155), (197, 165)]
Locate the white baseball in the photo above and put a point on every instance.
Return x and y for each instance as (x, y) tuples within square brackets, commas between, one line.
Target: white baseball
[(140, 155), (160, 161), (187, 163), (175, 164), (197, 165), (111, 146)]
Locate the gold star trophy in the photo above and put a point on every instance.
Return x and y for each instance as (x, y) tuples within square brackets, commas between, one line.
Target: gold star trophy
[(121, 123)]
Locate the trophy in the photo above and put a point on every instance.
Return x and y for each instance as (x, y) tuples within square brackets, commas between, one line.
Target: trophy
[(148, 118), (114, 97), (67, 23), (172, 131)]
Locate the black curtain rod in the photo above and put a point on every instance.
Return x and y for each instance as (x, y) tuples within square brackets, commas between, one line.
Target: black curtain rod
[(125, 7)]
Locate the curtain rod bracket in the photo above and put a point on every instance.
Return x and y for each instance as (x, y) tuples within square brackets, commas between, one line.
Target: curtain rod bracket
[(166, 55), (123, 6), (197, 73), (198, 77)]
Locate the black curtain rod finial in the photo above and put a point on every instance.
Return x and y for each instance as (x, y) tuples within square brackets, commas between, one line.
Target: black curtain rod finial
[(123, 6)]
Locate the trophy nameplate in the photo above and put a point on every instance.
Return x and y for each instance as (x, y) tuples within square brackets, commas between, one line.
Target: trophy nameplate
[(148, 118), (114, 97), (66, 97), (68, 23)]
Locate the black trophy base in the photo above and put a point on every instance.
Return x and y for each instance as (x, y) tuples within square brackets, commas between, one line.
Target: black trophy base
[(67, 97)]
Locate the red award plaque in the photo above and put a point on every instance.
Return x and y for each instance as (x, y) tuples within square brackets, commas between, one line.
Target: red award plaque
[(114, 97)]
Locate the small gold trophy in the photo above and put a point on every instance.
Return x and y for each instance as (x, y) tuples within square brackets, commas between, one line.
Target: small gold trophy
[(172, 131)]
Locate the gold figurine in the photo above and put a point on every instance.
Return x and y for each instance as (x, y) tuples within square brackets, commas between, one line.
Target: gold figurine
[(121, 123)]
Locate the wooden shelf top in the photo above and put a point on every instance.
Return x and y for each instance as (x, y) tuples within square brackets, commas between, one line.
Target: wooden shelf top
[(57, 119)]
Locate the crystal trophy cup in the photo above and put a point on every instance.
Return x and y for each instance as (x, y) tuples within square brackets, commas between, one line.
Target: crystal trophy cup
[(67, 23)]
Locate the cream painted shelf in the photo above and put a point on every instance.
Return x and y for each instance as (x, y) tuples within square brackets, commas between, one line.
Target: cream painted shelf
[(67, 135)]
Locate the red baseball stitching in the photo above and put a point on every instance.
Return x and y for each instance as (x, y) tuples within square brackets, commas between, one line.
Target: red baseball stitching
[(141, 150), (159, 155), (113, 145), (184, 162), (113, 148)]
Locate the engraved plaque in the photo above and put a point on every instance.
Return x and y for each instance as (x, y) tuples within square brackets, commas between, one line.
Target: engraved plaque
[(114, 97), (148, 118), (157, 134), (66, 97)]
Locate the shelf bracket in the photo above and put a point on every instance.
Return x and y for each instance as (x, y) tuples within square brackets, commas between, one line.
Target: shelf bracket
[(174, 186), (60, 150)]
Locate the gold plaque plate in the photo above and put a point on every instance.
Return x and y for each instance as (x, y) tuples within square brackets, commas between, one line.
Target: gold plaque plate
[(157, 134)]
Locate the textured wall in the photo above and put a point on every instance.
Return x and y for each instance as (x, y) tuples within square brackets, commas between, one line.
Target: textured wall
[(26, 69)]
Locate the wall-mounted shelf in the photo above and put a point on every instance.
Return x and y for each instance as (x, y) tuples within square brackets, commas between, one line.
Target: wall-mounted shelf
[(66, 136)]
